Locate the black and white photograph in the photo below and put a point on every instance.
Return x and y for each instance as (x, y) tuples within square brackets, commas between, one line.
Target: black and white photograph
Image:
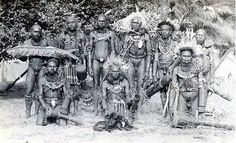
[(117, 71)]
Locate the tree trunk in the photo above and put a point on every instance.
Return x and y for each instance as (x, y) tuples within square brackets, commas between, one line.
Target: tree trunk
[(183, 119)]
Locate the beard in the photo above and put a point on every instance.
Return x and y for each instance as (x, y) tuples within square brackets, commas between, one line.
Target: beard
[(186, 62), (72, 28), (116, 77), (51, 73), (36, 38), (165, 36), (101, 26)]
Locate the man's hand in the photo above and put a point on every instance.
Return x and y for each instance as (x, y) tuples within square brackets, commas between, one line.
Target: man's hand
[(106, 112), (171, 113), (201, 109), (90, 71), (147, 76), (64, 111), (48, 110)]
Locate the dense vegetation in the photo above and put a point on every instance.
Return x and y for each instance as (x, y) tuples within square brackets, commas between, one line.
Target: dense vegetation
[(16, 16)]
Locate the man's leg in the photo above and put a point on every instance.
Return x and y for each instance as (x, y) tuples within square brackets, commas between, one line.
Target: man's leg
[(163, 92), (182, 104), (163, 97), (130, 75), (39, 75), (171, 103), (60, 121), (104, 70), (41, 118), (30, 82), (96, 72), (194, 107), (96, 102), (141, 73)]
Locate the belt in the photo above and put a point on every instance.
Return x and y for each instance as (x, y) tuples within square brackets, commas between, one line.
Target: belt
[(190, 90), (36, 66), (137, 56), (163, 64), (102, 60)]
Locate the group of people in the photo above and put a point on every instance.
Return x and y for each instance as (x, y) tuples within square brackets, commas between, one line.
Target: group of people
[(155, 64)]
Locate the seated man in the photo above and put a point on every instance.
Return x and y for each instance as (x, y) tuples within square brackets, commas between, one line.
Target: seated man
[(187, 91), (52, 96), (115, 90), (116, 94)]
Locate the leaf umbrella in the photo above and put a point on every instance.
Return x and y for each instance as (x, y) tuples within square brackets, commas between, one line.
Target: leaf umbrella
[(27, 51)]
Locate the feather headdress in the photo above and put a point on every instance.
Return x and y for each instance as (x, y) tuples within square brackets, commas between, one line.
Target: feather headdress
[(187, 41), (118, 62), (149, 21)]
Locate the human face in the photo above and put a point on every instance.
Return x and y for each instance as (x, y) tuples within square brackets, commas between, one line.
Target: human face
[(36, 33), (115, 75), (72, 25), (87, 29), (200, 37), (136, 25), (102, 22), (165, 31), (186, 57), (52, 68), (153, 34)]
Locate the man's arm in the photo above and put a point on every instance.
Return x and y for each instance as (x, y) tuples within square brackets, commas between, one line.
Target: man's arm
[(155, 63), (112, 44), (125, 46), (82, 49), (90, 50), (104, 95), (212, 61), (127, 91), (60, 41), (40, 93), (149, 52), (175, 57), (67, 93)]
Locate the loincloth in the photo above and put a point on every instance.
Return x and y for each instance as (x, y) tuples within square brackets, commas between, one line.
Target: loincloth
[(36, 67), (53, 102)]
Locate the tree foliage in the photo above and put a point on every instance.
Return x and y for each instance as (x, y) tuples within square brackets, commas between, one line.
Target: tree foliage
[(17, 16)]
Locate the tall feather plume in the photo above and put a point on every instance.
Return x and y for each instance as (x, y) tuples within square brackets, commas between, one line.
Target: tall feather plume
[(116, 61)]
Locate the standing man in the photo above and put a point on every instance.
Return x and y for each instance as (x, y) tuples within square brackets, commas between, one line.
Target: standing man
[(35, 69), (73, 40), (137, 49), (205, 57), (164, 58), (101, 47), (186, 90)]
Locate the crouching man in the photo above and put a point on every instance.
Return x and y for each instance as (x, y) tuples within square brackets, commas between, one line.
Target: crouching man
[(187, 91), (54, 101), (116, 94)]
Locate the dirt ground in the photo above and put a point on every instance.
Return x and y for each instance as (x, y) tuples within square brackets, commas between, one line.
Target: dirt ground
[(150, 127)]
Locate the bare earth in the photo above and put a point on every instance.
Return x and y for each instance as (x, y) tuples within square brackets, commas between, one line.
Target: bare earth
[(150, 127)]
